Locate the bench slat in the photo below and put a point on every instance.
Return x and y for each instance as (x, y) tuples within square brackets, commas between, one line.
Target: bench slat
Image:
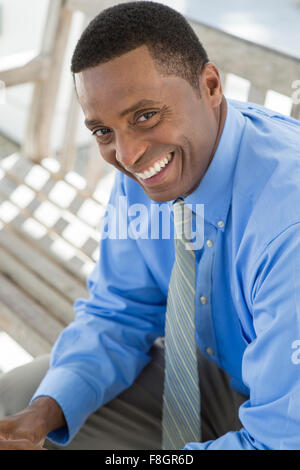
[(45, 244), (21, 332), (23, 277), (42, 264), (25, 308)]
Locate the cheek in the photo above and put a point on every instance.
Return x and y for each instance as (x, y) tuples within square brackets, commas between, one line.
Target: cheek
[(204, 139), (197, 150), (107, 154)]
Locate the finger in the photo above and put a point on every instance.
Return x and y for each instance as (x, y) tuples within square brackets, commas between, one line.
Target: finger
[(20, 444)]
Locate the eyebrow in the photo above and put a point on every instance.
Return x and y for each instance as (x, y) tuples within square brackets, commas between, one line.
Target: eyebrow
[(139, 104)]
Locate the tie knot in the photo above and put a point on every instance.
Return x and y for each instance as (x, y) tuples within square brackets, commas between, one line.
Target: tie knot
[(182, 220)]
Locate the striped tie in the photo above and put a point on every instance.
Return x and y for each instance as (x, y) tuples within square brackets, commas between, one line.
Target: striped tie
[(181, 399)]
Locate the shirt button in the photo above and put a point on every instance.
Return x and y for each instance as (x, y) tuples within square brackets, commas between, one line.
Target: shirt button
[(209, 351), (209, 243), (221, 224), (203, 300)]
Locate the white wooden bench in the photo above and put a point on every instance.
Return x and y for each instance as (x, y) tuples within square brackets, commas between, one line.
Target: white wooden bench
[(50, 215)]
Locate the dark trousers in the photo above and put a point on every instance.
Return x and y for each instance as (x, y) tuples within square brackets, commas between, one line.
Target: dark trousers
[(133, 419)]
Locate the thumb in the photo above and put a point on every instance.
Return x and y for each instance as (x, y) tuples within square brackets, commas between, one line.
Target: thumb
[(41, 442)]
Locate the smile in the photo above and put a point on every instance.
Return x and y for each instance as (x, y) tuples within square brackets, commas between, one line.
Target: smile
[(156, 168)]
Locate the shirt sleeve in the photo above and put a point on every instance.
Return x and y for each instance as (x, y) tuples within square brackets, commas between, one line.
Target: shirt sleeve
[(271, 362), (104, 349)]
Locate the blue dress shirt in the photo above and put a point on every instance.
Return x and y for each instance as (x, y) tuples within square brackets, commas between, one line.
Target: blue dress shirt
[(247, 290)]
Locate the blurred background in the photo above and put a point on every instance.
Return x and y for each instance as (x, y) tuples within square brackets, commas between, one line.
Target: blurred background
[(270, 23)]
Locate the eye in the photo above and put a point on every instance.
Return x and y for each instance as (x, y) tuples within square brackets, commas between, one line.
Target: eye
[(146, 116), (102, 134)]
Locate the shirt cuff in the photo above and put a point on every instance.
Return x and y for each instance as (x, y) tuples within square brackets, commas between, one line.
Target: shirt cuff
[(75, 397)]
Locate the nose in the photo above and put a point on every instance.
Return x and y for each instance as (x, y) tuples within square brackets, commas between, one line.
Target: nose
[(129, 150)]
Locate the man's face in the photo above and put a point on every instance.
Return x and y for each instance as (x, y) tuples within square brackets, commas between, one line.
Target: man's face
[(153, 128)]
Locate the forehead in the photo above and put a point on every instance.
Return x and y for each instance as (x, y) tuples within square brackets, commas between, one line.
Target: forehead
[(117, 82)]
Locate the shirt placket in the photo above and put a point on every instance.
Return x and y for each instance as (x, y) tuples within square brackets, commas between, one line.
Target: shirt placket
[(203, 302)]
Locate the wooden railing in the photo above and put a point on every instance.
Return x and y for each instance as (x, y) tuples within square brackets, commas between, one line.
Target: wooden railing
[(39, 281)]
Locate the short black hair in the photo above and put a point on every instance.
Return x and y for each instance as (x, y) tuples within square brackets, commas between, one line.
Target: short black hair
[(171, 41)]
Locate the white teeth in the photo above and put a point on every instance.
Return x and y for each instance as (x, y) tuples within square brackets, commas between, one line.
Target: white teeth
[(156, 168)]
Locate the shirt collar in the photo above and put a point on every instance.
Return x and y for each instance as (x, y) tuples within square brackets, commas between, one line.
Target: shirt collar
[(215, 188)]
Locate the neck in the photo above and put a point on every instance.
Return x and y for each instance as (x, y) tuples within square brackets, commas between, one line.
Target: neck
[(221, 117)]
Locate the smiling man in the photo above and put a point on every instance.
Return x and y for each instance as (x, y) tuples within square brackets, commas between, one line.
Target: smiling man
[(175, 347), (142, 130)]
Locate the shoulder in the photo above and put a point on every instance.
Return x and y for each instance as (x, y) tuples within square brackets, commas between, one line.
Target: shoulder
[(254, 111), (266, 184)]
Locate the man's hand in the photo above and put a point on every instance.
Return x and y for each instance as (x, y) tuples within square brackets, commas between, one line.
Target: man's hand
[(29, 428)]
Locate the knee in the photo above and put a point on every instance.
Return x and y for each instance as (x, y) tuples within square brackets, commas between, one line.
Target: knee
[(18, 385)]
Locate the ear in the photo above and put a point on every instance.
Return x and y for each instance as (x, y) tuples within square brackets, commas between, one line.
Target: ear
[(210, 84)]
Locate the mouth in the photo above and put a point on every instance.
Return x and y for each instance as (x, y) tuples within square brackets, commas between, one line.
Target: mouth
[(157, 171)]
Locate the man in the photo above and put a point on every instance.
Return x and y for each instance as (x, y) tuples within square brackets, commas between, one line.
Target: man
[(154, 103)]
